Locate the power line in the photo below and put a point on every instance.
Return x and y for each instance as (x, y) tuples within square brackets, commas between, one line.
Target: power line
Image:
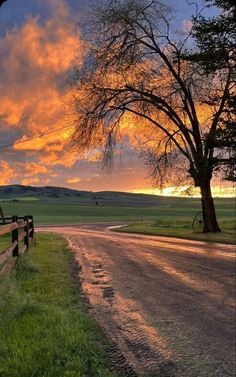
[(34, 137)]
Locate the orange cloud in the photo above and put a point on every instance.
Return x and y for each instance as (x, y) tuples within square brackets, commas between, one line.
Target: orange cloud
[(73, 180), (67, 159), (37, 57), (34, 168), (32, 145), (7, 172), (30, 181)]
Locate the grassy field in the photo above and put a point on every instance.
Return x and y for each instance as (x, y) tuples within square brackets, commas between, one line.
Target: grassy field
[(45, 331), (170, 216), (67, 212)]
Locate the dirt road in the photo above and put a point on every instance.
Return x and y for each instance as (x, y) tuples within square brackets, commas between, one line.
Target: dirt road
[(167, 304)]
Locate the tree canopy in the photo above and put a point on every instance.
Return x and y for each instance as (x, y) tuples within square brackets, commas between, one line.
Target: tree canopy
[(216, 36), (216, 42), (136, 77)]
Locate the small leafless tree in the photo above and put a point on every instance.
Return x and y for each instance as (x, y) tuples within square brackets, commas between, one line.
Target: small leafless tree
[(135, 70)]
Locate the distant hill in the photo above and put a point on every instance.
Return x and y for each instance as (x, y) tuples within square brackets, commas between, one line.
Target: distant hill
[(14, 191), (62, 194)]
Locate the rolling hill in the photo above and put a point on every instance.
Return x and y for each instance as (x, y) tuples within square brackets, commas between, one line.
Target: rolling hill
[(58, 205), (19, 193)]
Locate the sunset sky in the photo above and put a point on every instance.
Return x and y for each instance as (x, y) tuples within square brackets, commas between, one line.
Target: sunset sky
[(39, 47)]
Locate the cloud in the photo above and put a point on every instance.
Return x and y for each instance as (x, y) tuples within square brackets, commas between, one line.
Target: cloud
[(34, 168), (7, 172), (65, 159), (30, 181), (187, 26), (73, 180), (35, 59)]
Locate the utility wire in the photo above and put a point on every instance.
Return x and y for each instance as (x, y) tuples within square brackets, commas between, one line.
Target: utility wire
[(33, 137)]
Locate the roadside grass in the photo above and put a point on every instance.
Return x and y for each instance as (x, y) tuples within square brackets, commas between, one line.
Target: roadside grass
[(180, 227), (45, 330)]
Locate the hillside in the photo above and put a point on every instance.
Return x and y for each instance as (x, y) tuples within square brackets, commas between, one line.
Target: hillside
[(51, 194), (64, 195), (56, 205), (20, 191)]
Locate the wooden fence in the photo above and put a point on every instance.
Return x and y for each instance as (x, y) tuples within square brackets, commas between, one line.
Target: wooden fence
[(22, 232)]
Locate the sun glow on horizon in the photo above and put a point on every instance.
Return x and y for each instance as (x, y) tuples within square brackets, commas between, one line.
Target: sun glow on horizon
[(217, 191)]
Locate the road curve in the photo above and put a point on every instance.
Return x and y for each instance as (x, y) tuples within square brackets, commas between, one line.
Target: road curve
[(167, 303)]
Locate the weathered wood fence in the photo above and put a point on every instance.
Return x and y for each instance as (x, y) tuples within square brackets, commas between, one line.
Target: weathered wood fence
[(22, 232)]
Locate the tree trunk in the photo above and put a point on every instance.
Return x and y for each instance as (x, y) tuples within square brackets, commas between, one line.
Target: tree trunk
[(210, 223)]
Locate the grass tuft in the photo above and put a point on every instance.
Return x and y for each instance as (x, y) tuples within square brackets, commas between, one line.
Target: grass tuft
[(24, 308), (25, 268)]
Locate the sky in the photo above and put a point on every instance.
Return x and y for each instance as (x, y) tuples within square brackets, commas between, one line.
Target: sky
[(40, 44)]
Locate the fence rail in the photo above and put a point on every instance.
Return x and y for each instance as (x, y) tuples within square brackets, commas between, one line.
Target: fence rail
[(21, 229)]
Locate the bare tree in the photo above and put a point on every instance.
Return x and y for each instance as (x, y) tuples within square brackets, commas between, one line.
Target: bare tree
[(135, 70)]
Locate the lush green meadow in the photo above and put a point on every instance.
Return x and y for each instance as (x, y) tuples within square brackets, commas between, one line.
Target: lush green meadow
[(69, 212), (168, 216), (44, 326)]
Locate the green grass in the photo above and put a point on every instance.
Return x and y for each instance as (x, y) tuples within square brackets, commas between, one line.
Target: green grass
[(5, 241), (170, 217), (59, 212), (45, 331), (180, 228), (21, 199)]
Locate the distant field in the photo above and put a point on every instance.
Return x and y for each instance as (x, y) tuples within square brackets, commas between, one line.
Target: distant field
[(23, 198), (68, 212)]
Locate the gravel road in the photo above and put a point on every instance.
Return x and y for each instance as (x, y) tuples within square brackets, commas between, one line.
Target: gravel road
[(166, 304)]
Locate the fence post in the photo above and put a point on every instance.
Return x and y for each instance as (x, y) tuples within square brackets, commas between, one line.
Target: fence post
[(31, 226), (26, 229), (2, 216), (15, 237)]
